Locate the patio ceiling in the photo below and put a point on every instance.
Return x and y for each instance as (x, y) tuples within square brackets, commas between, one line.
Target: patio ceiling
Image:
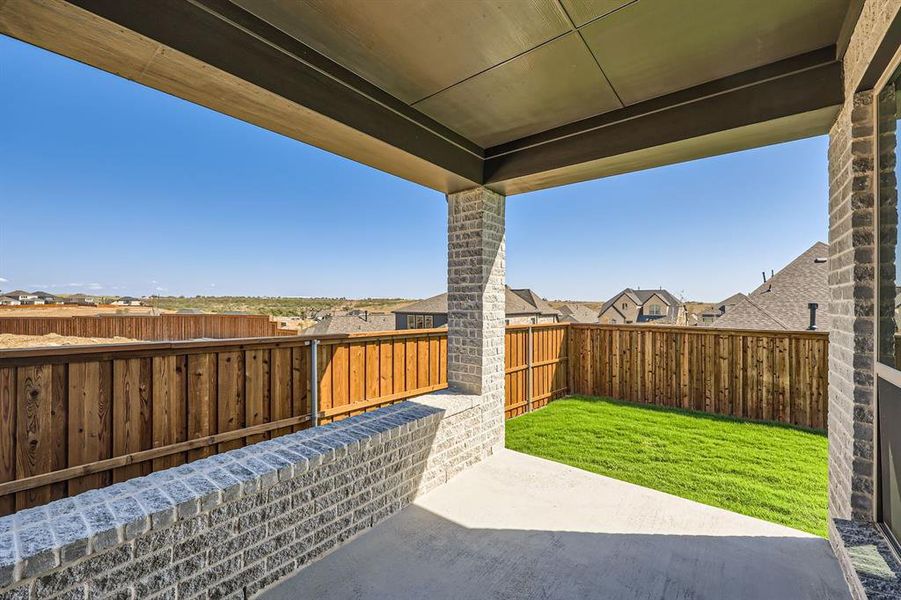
[(515, 94)]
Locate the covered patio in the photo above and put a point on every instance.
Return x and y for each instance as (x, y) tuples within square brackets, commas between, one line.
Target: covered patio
[(479, 101), (516, 526)]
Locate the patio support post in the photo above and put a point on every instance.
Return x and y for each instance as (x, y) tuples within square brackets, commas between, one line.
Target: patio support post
[(475, 299), (852, 281)]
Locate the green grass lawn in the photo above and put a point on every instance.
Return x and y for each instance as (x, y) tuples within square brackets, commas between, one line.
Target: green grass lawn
[(767, 471)]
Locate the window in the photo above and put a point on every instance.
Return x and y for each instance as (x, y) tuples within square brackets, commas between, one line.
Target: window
[(888, 392), (655, 310), (419, 321), (625, 305)]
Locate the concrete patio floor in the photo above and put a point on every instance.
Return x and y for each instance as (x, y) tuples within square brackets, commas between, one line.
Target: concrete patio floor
[(516, 526)]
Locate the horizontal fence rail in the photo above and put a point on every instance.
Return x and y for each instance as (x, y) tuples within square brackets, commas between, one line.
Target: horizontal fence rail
[(147, 327), (76, 418), (776, 376)]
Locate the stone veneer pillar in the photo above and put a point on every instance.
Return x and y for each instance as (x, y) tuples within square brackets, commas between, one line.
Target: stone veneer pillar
[(475, 299), (852, 282)]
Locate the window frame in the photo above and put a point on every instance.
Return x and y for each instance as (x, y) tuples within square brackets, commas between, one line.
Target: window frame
[(884, 373)]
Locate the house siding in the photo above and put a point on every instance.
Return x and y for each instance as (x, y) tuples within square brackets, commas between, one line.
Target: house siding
[(656, 299), (610, 316)]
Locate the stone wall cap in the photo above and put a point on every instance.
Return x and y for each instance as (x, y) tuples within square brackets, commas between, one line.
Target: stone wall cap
[(37, 539)]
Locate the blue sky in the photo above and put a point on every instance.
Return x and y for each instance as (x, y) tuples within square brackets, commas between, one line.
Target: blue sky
[(111, 187)]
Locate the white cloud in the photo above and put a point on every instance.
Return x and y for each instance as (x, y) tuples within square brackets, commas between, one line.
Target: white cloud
[(3, 280), (94, 286), (160, 289)]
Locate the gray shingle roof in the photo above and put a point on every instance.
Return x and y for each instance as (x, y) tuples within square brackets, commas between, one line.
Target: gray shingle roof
[(352, 324), (731, 300), (535, 300), (577, 313), (781, 302), (515, 300)]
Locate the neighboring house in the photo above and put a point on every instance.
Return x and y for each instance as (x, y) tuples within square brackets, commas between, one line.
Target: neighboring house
[(80, 299), (523, 307), (127, 301), (572, 312), (22, 296), (708, 317), (782, 302), (9, 301), (361, 323), (47, 297), (536, 309), (729, 302), (643, 306)]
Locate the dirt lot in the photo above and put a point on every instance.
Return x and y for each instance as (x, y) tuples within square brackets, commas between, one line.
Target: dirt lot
[(9, 340), (59, 310), (595, 306)]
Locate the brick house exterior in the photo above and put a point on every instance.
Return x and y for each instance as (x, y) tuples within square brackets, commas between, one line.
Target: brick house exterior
[(853, 241)]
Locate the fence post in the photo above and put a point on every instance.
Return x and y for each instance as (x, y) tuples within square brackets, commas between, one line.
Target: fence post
[(570, 364), (529, 371), (314, 383)]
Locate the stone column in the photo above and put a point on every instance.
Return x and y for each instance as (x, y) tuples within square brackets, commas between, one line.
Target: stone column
[(852, 283), (475, 300)]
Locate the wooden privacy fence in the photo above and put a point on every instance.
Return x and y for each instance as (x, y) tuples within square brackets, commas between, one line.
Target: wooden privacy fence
[(767, 375), (536, 366), (76, 418), (163, 327)]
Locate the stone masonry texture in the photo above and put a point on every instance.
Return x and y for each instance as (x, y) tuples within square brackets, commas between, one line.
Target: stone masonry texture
[(853, 277), (852, 281), (475, 298), (229, 525)]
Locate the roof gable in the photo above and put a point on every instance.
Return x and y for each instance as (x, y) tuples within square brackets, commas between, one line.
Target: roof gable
[(639, 297), (578, 313)]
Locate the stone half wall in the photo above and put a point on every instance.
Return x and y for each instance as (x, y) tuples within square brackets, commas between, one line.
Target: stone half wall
[(229, 525)]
